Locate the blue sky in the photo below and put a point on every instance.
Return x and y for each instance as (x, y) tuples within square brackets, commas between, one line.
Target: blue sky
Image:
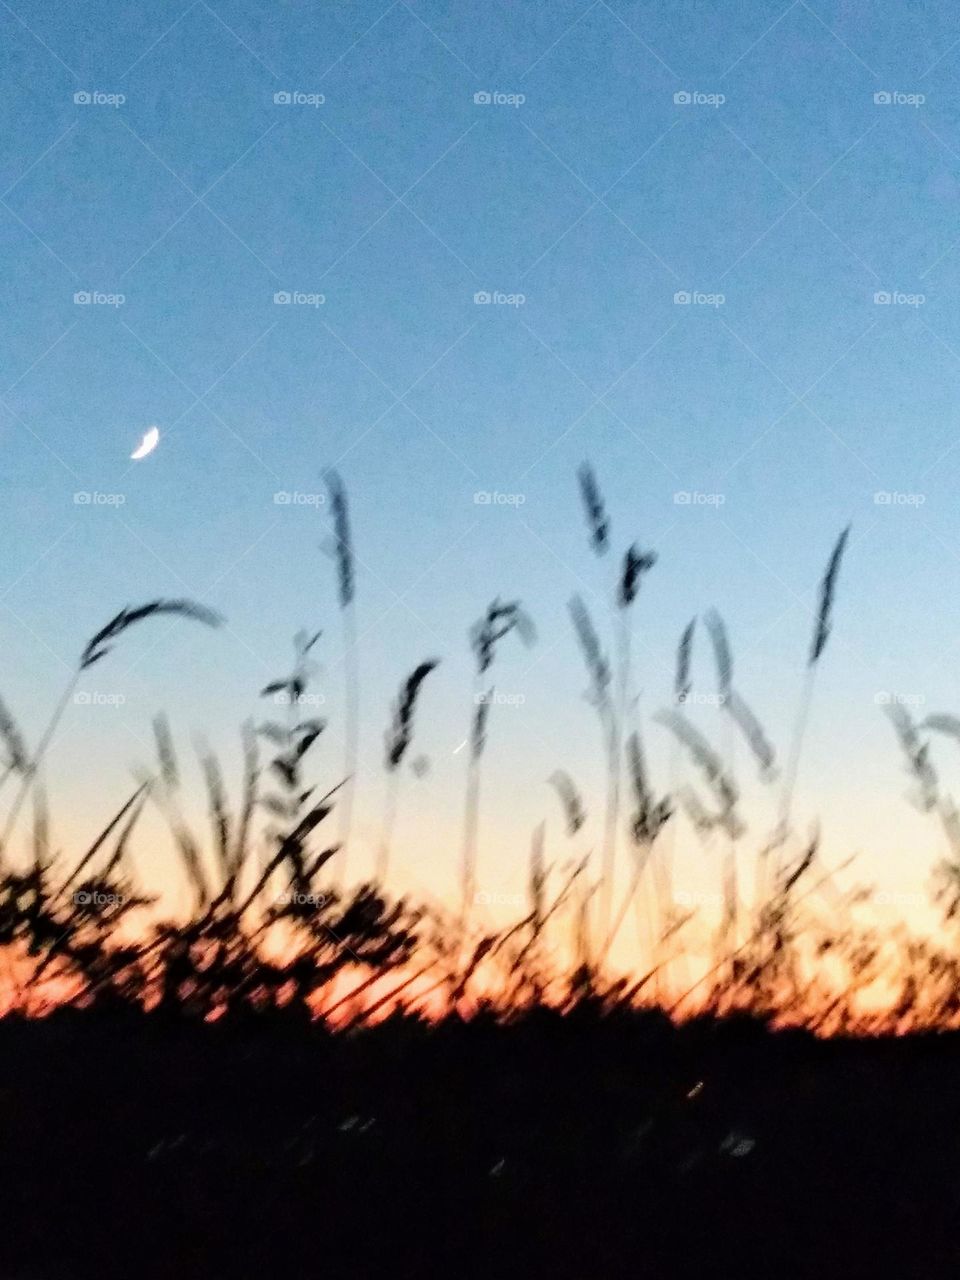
[(595, 200)]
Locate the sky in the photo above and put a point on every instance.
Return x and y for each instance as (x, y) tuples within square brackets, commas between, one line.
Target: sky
[(453, 251)]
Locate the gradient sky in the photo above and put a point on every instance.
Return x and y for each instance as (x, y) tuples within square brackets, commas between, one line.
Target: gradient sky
[(598, 199)]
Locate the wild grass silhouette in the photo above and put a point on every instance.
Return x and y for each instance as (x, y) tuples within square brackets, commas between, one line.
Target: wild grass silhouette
[(275, 928), (300, 1071)]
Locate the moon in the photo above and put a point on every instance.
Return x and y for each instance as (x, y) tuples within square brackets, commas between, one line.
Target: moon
[(147, 445)]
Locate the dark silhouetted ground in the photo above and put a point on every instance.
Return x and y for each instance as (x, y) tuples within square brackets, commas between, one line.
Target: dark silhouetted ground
[(574, 1148)]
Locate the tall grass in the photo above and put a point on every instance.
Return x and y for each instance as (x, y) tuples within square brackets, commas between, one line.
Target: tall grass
[(270, 929), (95, 650), (399, 736), (346, 593), (823, 624), (611, 705), (486, 635)]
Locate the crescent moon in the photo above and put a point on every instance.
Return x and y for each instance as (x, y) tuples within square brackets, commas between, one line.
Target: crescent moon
[(147, 445)]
